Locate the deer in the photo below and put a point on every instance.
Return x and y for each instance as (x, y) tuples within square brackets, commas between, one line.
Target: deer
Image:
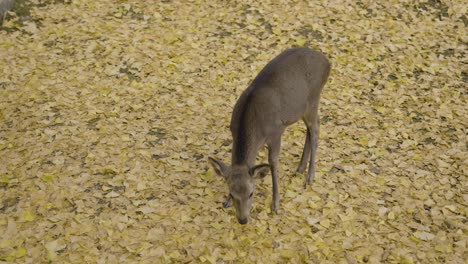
[(285, 91)]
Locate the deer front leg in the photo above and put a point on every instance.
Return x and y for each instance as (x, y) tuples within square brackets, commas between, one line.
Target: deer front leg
[(273, 156)]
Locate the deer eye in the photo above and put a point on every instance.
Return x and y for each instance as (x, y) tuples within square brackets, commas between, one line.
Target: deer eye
[(251, 194)]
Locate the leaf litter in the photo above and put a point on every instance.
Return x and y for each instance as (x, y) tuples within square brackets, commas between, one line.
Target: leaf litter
[(108, 111)]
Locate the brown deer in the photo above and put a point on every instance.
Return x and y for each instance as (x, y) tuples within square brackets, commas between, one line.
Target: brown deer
[(285, 91)]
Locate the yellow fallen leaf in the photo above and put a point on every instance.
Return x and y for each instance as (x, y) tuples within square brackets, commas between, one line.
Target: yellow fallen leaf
[(452, 208), (20, 252), (185, 218), (391, 216), (207, 176), (276, 31), (301, 41), (28, 216), (288, 254), (5, 243), (325, 223), (424, 235), (112, 194), (4, 179), (52, 248), (210, 259), (47, 178), (146, 209), (290, 194)]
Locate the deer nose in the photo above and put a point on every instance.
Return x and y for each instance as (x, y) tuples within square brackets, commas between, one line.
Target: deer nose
[(243, 221)]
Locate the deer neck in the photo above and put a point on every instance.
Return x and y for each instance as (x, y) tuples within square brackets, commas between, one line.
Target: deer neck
[(244, 150)]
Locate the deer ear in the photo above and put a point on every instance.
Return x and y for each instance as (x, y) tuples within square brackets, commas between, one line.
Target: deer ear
[(260, 171), (219, 167)]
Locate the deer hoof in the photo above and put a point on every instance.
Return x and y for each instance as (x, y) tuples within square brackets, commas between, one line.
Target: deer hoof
[(227, 204), (274, 208), (310, 179), (300, 170)]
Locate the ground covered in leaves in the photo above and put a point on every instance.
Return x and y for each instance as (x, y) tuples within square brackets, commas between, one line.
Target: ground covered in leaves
[(109, 110)]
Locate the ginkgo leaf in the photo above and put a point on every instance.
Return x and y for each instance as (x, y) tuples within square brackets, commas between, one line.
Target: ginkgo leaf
[(424, 235)]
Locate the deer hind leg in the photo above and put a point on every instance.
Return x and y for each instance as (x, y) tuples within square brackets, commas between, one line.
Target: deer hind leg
[(314, 138), (305, 153), (312, 121)]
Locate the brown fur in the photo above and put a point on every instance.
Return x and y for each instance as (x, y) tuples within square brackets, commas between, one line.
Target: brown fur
[(286, 90)]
